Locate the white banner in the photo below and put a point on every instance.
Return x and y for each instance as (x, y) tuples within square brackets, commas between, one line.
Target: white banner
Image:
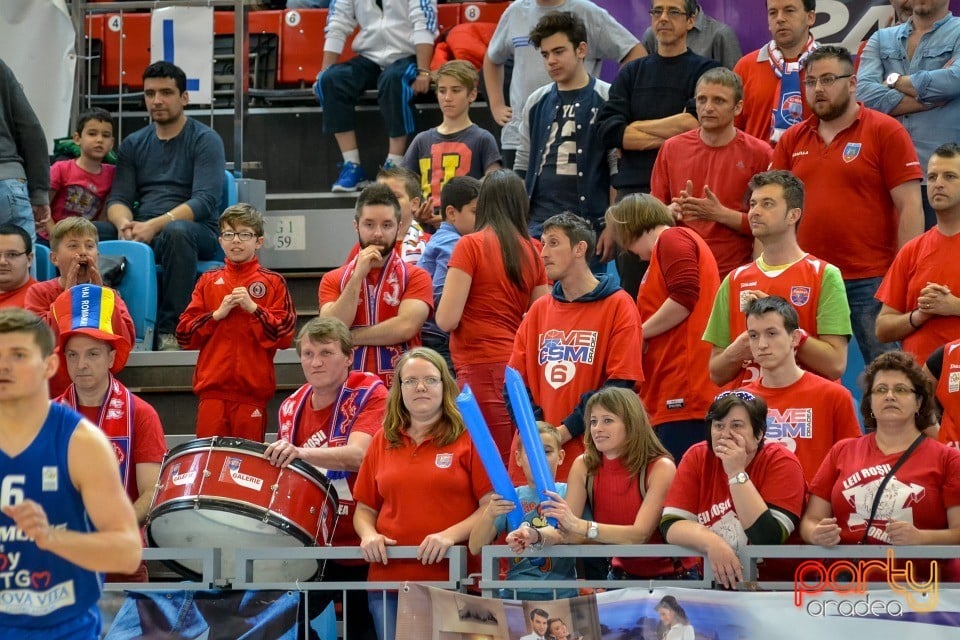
[(184, 36), (426, 613)]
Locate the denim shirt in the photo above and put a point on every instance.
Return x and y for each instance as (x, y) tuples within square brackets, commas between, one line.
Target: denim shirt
[(886, 53)]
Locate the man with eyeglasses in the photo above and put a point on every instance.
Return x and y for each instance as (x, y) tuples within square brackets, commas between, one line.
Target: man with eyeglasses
[(911, 71), (16, 256), (329, 423), (167, 191), (708, 37), (919, 292), (651, 100), (863, 186)]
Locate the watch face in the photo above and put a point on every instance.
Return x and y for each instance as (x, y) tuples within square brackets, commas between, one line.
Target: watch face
[(742, 477)]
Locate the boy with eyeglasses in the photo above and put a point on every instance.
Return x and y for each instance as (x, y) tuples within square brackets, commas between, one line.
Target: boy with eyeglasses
[(238, 316)]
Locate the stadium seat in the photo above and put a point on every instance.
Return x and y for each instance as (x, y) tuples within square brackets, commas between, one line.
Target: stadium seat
[(138, 288), (228, 198), (482, 11), (131, 33), (41, 258)]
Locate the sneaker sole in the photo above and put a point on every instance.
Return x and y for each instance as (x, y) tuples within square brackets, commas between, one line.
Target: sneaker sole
[(337, 188)]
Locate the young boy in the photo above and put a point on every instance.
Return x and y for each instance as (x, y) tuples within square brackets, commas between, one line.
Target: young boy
[(238, 317), (458, 210), (493, 523), (79, 187), (411, 238), (457, 147)]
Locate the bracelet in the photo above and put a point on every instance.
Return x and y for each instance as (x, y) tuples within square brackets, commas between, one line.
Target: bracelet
[(538, 545), (421, 71), (173, 218), (910, 319), (804, 334)]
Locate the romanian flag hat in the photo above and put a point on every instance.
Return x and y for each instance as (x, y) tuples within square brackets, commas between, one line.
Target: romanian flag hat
[(91, 310)]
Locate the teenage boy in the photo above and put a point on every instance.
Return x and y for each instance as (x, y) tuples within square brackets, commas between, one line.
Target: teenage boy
[(584, 309), (79, 187), (457, 147), (805, 413), (238, 317), (380, 297), (813, 286), (16, 256), (67, 517), (492, 524), (458, 209), (411, 238), (564, 161)]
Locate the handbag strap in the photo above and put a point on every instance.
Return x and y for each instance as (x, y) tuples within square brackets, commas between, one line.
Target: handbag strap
[(883, 484)]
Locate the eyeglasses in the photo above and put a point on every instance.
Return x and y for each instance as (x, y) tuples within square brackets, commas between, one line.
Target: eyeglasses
[(900, 390), (743, 395), (824, 81), (413, 383), (245, 236), (10, 256), (671, 13)]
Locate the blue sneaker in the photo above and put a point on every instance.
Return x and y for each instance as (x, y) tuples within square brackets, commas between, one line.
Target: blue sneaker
[(352, 177), (390, 164)]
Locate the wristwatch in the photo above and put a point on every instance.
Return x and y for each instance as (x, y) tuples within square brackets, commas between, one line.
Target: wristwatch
[(891, 80), (593, 530), (740, 478)]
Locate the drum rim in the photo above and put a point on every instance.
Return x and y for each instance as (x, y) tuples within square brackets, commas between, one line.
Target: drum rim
[(242, 445)]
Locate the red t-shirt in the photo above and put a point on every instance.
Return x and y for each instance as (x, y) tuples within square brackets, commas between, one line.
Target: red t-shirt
[(920, 492), (16, 297), (948, 393), (417, 490), (808, 417), (927, 258), (848, 215), (494, 307), (726, 170), (79, 192), (761, 94), (678, 360), (701, 491)]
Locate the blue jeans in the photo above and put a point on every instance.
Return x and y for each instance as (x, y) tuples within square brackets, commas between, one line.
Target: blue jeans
[(864, 308), (383, 608)]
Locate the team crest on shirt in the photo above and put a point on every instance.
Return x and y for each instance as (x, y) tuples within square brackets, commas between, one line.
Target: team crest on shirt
[(851, 151), (799, 296), (953, 382), (257, 290), (791, 107), (444, 460)]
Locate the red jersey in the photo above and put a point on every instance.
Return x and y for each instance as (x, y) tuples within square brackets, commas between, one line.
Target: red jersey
[(920, 492), (417, 490), (701, 491), (360, 408), (948, 393), (808, 417), (848, 213), (726, 170), (679, 386), (927, 258), (566, 349), (761, 93), (16, 297), (236, 353), (495, 307)]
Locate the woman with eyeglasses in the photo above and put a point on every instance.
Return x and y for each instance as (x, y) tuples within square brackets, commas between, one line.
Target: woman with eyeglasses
[(894, 485), (421, 484), (732, 490)]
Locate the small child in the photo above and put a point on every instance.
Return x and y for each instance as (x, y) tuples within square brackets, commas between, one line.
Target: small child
[(238, 317), (493, 523), (458, 210), (411, 238), (79, 187), (457, 147)]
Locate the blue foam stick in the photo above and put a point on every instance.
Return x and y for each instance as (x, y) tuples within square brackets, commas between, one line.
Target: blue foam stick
[(489, 454), (532, 444)]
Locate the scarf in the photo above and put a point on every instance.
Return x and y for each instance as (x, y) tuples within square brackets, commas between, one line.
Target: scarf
[(789, 106), (116, 422)]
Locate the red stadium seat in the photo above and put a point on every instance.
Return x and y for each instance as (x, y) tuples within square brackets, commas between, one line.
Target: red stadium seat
[(448, 15), (131, 33), (482, 11), (301, 46)]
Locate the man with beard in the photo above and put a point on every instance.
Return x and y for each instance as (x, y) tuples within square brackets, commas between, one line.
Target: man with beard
[(910, 72), (863, 186), (382, 299), (174, 170)]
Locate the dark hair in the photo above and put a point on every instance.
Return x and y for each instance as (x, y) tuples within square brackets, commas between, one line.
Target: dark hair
[(16, 230), (577, 229), (725, 78), (457, 193), (244, 214), (16, 320), (550, 622), (670, 602), (725, 401), (95, 113), (791, 184), (830, 52), (555, 22), (164, 69), (922, 384), (377, 194), (808, 5), (777, 305), (503, 206), (539, 612), (948, 150)]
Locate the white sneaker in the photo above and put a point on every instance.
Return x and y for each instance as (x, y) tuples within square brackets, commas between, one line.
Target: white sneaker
[(168, 342)]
